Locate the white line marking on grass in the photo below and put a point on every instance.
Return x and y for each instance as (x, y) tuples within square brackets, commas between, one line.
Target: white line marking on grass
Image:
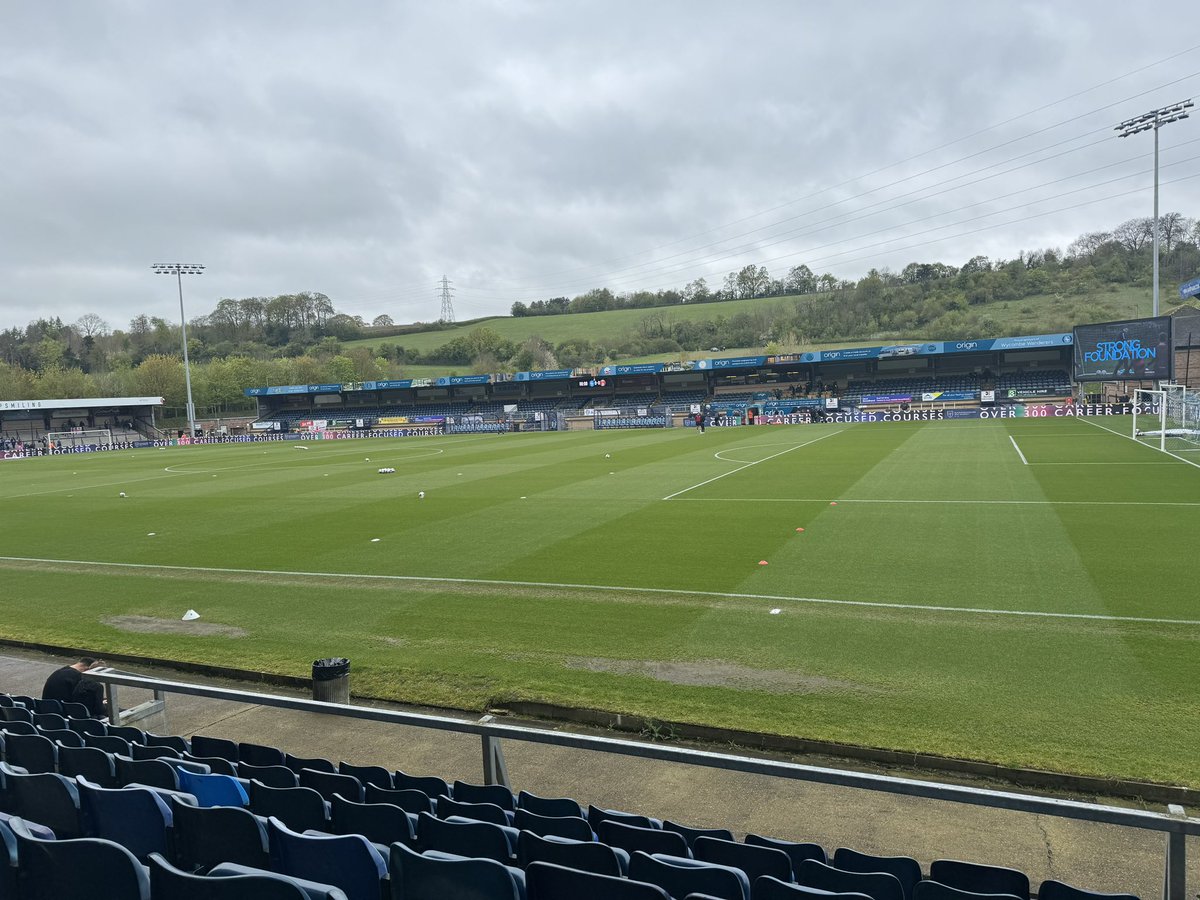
[(1024, 461), (749, 464), (1140, 444), (1163, 463), (842, 501), (724, 595)]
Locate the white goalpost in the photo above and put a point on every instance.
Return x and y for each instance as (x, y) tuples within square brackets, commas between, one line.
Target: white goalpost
[(1167, 418), (99, 436)]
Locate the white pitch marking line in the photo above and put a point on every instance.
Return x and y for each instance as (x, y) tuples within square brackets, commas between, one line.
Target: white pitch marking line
[(1024, 461), (844, 500), (749, 464), (1140, 444), (724, 595)]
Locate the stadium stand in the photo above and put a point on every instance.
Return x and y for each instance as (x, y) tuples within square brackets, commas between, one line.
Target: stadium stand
[(202, 828)]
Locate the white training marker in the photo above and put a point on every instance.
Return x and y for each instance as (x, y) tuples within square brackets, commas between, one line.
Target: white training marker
[(151, 533), (374, 540), (191, 615), (122, 494), (776, 611), (523, 498)]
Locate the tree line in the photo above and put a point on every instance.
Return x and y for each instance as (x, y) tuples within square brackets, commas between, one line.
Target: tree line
[(301, 338)]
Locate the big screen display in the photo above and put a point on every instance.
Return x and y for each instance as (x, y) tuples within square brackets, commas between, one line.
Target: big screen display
[(1130, 350)]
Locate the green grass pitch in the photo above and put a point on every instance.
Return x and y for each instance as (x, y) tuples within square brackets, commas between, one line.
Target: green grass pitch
[(1018, 591)]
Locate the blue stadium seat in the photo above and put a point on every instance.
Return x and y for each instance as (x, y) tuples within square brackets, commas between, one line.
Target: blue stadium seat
[(213, 790), (877, 885), (648, 840), (754, 861), (203, 745), (481, 812), (271, 776), (296, 763), (484, 793), (572, 827), (53, 870), (206, 836), (376, 775), (979, 878), (690, 834), (31, 752), (93, 764), (1058, 890), (148, 772), (348, 861), (444, 876), (135, 818), (906, 869), (380, 823), (411, 801), (596, 814), (64, 737), (259, 754), (797, 852), (935, 890), (767, 888), (329, 783), (465, 838), (299, 808), (216, 765), (107, 743), (429, 784), (547, 881), (680, 876), (49, 799), (170, 883), (548, 806), (587, 856)]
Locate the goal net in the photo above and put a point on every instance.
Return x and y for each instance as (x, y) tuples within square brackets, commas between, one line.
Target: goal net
[(98, 436), (1168, 418)]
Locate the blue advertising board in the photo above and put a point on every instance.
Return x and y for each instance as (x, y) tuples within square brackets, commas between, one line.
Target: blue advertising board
[(551, 375), (637, 369), (739, 362), (446, 380), (1189, 289)]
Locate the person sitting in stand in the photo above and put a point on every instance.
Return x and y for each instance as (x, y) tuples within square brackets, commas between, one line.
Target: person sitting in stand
[(68, 685)]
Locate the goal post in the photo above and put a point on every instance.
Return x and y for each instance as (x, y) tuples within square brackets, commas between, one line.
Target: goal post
[(1167, 418), (97, 436)]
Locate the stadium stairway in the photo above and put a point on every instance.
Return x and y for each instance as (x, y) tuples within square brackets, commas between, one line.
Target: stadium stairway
[(1099, 857)]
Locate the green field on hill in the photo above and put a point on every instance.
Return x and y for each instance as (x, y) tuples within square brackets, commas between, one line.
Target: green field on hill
[(1029, 315), (1015, 591)]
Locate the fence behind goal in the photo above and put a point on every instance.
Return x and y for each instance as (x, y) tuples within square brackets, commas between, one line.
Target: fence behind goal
[(1168, 418)]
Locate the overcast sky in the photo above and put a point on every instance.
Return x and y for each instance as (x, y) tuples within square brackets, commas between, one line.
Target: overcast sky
[(531, 149)]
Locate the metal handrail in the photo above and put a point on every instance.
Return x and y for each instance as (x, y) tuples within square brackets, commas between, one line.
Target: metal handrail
[(1174, 823)]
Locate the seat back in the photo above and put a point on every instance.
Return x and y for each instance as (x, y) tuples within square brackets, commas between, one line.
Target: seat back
[(153, 751), (877, 885), (48, 799), (174, 741), (259, 754), (596, 815), (906, 869), (329, 783), (935, 890), (31, 752), (411, 801), (206, 836), (169, 883), (649, 840), (107, 742), (298, 807), (547, 881), (380, 823), (271, 776), (482, 812), (92, 763), (553, 807), (52, 870), (148, 772), (797, 852), (680, 876), (88, 726), (18, 728), (1060, 890), (754, 861), (573, 827), (979, 878), (128, 733), (203, 745), (690, 834), (768, 888), (16, 714), (348, 861), (587, 856), (50, 720), (376, 775), (136, 818), (418, 875), (296, 763), (64, 737), (213, 790), (484, 793), (427, 784), (217, 765), (474, 839)]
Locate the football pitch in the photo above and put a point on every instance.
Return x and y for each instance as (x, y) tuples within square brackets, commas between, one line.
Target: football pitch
[(1017, 591)]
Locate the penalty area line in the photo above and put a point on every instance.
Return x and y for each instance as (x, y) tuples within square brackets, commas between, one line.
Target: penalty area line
[(1024, 461), (720, 595), (749, 464)]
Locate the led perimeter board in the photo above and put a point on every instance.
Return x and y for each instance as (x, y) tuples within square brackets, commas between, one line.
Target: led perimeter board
[(1130, 350)]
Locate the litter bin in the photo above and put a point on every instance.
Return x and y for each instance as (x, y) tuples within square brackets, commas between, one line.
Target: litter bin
[(331, 679)]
